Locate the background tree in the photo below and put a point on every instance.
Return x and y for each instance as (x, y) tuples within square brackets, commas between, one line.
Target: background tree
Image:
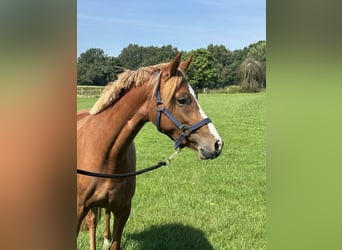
[(135, 56), (154, 55), (222, 58), (258, 52), (94, 68), (111, 70), (131, 56), (201, 72), (251, 75), (213, 67)]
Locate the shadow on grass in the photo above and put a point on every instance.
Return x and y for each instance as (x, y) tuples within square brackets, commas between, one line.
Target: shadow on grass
[(173, 236)]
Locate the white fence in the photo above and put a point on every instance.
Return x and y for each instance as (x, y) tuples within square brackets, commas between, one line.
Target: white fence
[(88, 91)]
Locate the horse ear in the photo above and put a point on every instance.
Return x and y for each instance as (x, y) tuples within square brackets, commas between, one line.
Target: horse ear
[(183, 66), (172, 67)]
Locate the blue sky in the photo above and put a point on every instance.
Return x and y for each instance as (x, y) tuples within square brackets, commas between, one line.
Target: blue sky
[(186, 24)]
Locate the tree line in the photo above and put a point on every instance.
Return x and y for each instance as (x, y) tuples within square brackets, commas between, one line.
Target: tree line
[(214, 67)]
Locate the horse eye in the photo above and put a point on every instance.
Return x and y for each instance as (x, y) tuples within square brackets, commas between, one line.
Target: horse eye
[(182, 101)]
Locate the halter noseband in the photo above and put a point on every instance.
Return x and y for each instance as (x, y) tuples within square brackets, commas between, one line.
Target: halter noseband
[(185, 129)]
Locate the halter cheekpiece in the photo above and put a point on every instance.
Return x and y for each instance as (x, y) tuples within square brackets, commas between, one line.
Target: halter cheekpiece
[(185, 129)]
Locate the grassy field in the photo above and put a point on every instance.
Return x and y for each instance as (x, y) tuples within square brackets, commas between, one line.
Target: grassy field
[(194, 204)]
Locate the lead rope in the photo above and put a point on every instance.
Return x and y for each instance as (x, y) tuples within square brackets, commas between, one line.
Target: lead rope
[(167, 161)]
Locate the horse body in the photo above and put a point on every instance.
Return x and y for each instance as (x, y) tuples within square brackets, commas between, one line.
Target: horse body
[(105, 135), (112, 194)]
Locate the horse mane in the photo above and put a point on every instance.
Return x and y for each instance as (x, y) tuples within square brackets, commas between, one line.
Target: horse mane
[(131, 78), (112, 90)]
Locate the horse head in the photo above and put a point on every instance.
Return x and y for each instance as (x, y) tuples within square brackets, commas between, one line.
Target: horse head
[(176, 112)]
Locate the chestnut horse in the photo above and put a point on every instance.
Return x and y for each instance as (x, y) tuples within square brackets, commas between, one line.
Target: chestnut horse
[(105, 134)]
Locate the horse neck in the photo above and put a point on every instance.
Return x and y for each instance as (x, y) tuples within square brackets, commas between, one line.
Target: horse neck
[(117, 126), (127, 116)]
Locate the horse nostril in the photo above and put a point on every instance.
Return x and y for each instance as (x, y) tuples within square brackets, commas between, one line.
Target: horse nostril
[(218, 146)]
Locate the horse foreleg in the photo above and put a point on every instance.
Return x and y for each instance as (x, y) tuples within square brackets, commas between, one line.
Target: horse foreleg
[(120, 220), (81, 213), (106, 234), (91, 221)]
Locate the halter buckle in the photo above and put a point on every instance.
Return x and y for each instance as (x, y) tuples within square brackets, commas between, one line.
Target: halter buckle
[(186, 130)]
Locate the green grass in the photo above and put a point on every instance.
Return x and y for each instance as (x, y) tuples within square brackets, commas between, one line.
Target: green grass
[(194, 204)]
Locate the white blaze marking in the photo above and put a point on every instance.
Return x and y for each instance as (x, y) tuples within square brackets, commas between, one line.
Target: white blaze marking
[(211, 126)]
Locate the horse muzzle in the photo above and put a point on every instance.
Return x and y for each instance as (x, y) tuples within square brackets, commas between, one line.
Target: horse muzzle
[(210, 151)]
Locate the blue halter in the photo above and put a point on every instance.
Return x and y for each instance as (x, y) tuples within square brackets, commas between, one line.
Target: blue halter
[(185, 130)]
